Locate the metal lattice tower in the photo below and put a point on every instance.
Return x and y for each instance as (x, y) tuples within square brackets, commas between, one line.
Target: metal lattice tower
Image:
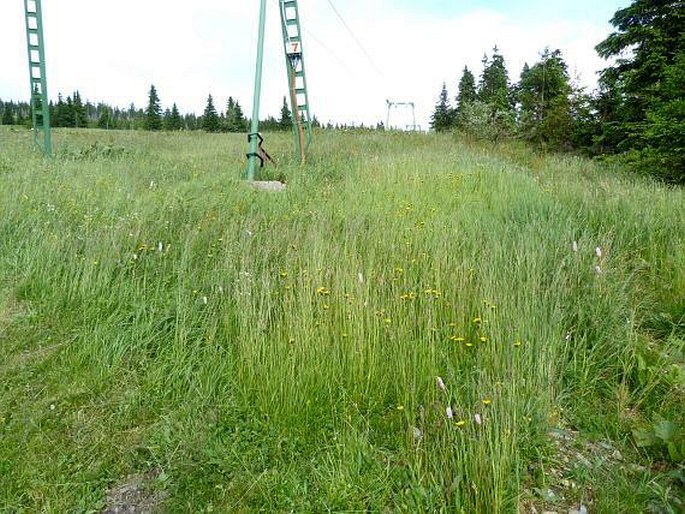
[(396, 105), (297, 80), (40, 107)]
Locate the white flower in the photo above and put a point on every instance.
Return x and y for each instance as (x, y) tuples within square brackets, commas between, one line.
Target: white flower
[(598, 252), (575, 246), (449, 412), (418, 435), (160, 247), (477, 419), (441, 384), (360, 277), (204, 300), (598, 270)]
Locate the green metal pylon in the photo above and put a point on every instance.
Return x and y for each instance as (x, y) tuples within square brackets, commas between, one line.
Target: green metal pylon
[(297, 80), (40, 106), (253, 137)]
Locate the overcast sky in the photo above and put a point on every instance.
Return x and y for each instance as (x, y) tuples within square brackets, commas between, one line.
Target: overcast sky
[(112, 51)]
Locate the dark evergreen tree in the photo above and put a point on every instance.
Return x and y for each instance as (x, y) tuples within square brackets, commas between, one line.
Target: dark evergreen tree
[(544, 101), (494, 87), (210, 119), (235, 119), (80, 118), (495, 97), (174, 120), (61, 117), (441, 119), (466, 95), (636, 92), (286, 120), (8, 114), (153, 113)]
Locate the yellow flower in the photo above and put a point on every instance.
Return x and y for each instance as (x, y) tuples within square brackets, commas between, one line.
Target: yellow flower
[(477, 320), (284, 274), (323, 291), (517, 344), (460, 423), (487, 401), (458, 339), (469, 345), (387, 321), (483, 339)]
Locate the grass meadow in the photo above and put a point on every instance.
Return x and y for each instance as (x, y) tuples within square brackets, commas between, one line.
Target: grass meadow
[(419, 323)]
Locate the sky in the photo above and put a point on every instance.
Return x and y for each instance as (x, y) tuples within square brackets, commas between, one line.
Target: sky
[(402, 50)]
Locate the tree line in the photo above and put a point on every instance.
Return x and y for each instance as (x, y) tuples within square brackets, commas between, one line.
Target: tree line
[(73, 112), (637, 115)]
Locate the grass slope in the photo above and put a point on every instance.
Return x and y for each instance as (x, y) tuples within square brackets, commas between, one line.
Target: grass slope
[(255, 351)]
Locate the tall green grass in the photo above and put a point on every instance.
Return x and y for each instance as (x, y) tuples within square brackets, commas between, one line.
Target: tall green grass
[(281, 352)]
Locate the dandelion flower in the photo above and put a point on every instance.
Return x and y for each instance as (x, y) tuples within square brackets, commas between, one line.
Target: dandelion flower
[(323, 291), (400, 407), (460, 423), (487, 401), (483, 339), (477, 320)]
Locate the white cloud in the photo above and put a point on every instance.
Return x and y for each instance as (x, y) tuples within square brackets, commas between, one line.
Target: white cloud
[(113, 51)]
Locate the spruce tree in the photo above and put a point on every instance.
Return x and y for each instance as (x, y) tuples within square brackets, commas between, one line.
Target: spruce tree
[(153, 113), (467, 93), (544, 97), (495, 96), (174, 120), (210, 118), (441, 119), (8, 114), (494, 88), (286, 120), (80, 117), (70, 116), (636, 97), (235, 119)]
